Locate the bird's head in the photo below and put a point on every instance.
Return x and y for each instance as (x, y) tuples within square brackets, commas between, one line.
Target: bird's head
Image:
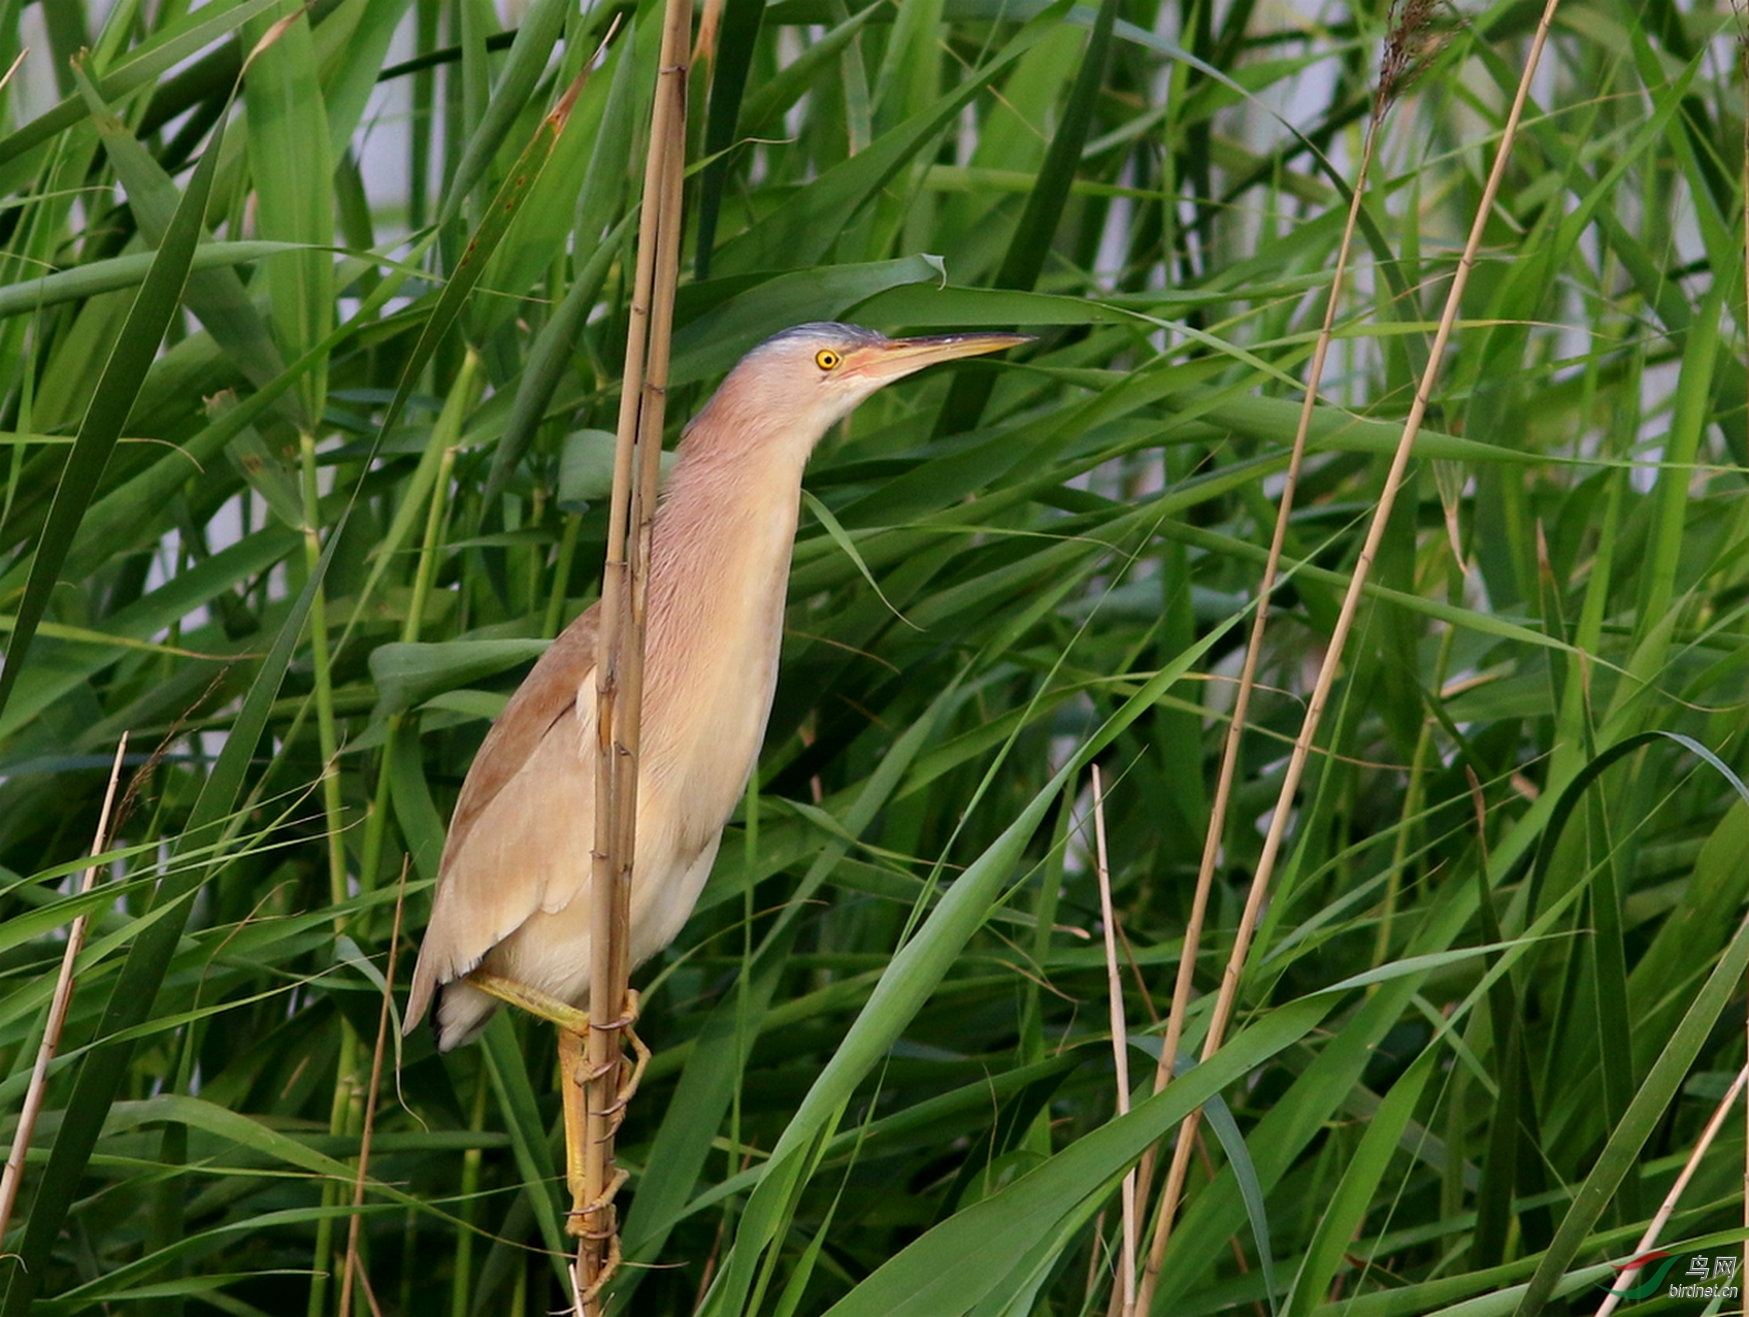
[(799, 382)]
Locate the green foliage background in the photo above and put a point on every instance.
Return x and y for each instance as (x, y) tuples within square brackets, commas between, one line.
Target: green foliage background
[(303, 460)]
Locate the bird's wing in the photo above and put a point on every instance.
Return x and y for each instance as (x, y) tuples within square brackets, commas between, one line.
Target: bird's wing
[(547, 695), (478, 904)]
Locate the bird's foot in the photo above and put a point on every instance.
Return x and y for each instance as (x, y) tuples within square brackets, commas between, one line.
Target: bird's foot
[(587, 1295), (584, 1220), (533, 1000), (640, 1055), (577, 1075)]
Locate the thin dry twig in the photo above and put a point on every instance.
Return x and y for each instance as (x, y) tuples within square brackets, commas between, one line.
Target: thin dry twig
[(370, 1294), (1120, 1044), (1332, 659), (1668, 1206), (1095, 1256), (12, 71), (1214, 839), (58, 1008), (710, 24), (370, 1111), (619, 674)]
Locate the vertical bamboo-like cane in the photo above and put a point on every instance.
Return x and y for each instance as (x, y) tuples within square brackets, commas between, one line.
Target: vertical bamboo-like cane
[(619, 674)]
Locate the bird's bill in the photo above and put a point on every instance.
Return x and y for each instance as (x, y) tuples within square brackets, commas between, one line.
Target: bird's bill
[(900, 356)]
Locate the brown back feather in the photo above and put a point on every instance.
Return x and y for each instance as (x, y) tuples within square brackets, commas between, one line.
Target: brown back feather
[(548, 694)]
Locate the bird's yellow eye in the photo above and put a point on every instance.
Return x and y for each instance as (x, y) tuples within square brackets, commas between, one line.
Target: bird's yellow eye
[(827, 359)]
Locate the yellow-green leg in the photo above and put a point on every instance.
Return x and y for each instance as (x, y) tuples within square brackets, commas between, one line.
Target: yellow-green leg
[(532, 1000), (571, 1067), (573, 1025)]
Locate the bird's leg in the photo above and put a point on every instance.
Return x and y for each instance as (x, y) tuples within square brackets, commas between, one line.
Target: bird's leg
[(571, 1067), (574, 1064), (575, 1072), (587, 1211), (573, 1026), (543, 1005)]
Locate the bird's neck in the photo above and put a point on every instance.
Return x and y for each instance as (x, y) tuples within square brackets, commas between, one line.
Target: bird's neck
[(728, 515), (719, 569)]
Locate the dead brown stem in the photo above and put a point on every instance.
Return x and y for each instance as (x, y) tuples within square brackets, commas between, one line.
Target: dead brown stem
[(58, 1007), (1230, 979), (1120, 1045), (619, 675)]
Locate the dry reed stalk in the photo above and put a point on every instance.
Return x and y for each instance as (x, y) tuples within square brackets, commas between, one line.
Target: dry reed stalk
[(58, 1008), (12, 70), (1094, 1255), (619, 673), (1213, 839), (370, 1295), (370, 1110), (710, 24), (1668, 1206), (1403, 53), (1120, 1045)]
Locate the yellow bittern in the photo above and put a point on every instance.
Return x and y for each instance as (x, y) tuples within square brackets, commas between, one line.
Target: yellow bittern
[(511, 918)]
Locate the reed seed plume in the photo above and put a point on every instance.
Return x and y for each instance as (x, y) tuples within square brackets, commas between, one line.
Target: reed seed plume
[(1416, 35)]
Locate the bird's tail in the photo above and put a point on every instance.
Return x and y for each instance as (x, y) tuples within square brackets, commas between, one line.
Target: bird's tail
[(462, 1011)]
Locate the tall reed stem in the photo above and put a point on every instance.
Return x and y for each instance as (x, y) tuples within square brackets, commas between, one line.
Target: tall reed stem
[(59, 1005), (1326, 680), (620, 668)]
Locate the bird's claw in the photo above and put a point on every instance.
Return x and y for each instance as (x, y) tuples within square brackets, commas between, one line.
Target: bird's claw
[(631, 1012), (593, 1219), (640, 1059), (578, 1219), (609, 1265)]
